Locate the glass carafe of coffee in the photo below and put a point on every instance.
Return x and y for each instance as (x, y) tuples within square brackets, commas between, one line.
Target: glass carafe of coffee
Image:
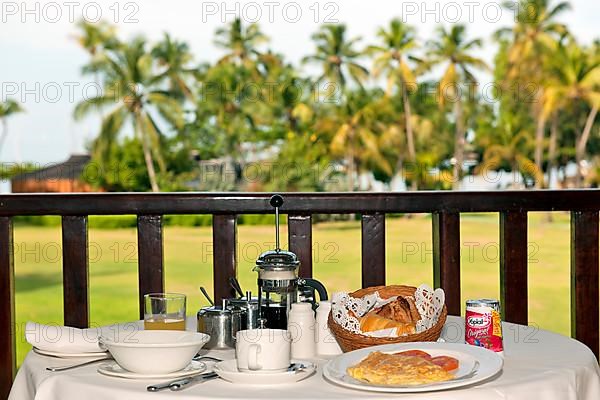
[(277, 286)]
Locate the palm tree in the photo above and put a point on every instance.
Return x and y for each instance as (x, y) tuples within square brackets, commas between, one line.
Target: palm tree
[(391, 58), (8, 108), (534, 33), (174, 57), (96, 38), (575, 77), (534, 38), (129, 78), (337, 56), (240, 42), (452, 49), (357, 136), (513, 149)]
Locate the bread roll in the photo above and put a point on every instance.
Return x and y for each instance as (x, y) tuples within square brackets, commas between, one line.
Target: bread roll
[(373, 322)]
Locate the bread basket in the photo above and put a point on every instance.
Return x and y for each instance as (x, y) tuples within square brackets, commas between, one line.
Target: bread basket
[(349, 341)]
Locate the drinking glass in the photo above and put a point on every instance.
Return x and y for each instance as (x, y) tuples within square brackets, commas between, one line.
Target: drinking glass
[(164, 311)]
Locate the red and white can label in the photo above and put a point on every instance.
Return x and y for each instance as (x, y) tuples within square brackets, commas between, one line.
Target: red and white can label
[(483, 328)]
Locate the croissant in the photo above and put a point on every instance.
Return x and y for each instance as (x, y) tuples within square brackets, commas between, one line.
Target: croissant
[(373, 322), (403, 310)]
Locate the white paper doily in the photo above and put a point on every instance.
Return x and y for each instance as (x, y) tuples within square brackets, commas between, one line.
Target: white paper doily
[(347, 310)]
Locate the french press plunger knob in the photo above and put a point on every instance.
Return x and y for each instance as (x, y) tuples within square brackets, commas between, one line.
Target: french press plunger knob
[(276, 202)]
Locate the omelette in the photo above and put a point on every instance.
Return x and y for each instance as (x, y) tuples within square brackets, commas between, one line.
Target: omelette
[(398, 369)]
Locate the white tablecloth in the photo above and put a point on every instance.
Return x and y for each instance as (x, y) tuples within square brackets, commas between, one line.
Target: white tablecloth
[(538, 365)]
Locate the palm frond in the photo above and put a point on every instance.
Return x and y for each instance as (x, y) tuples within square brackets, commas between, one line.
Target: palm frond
[(10, 107), (558, 9), (84, 108), (168, 108), (112, 125)]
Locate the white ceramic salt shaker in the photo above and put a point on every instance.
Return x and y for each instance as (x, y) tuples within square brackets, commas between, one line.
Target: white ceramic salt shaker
[(326, 343), (301, 326)]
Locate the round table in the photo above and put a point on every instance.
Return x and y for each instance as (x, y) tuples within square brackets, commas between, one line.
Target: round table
[(538, 365)]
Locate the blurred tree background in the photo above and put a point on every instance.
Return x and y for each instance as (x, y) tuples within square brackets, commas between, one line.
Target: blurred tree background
[(392, 114)]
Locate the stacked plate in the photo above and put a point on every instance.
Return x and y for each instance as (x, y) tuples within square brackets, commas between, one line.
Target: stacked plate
[(98, 354), (115, 370), (140, 354), (228, 370), (153, 354)]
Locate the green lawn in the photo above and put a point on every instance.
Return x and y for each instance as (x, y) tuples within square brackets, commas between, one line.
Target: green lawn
[(113, 266)]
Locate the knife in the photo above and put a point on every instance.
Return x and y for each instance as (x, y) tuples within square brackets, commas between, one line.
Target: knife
[(162, 386), (183, 383)]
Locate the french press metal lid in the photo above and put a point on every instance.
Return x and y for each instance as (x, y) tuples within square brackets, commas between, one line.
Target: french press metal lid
[(277, 265), (278, 260)]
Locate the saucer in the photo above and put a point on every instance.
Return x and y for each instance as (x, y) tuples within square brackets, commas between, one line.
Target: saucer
[(115, 370), (57, 354), (228, 371)]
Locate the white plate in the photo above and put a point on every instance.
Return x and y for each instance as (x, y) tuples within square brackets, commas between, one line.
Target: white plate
[(115, 370), (490, 364), (228, 371), (98, 354)]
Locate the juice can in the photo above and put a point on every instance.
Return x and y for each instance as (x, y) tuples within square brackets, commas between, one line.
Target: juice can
[(483, 325)]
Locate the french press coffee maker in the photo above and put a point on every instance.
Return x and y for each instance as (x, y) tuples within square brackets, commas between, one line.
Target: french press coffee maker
[(278, 283)]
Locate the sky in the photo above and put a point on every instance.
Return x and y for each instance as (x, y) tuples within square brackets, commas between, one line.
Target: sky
[(40, 61)]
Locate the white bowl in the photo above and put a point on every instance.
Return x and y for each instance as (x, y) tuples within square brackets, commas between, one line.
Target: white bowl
[(154, 352)]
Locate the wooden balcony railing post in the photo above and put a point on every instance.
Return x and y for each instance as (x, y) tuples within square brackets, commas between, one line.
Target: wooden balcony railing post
[(151, 272), (513, 266), (373, 250), (584, 278), (300, 239), (75, 271), (8, 357), (224, 255), (446, 258)]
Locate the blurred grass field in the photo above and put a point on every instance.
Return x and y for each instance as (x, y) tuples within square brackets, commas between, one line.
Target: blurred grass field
[(188, 258)]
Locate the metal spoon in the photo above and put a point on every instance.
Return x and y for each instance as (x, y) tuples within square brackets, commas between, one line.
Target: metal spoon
[(235, 284), (206, 358), (205, 293), (182, 384), (166, 385), (68, 367), (162, 386), (159, 386), (297, 367)]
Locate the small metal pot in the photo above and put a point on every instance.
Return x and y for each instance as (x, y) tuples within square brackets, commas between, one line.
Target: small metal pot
[(250, 308), (222, 324)]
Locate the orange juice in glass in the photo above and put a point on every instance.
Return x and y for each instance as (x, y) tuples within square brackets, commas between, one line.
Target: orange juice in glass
[(164, 312)]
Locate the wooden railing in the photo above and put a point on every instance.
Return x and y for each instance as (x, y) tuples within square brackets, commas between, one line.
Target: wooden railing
[(445, 207)]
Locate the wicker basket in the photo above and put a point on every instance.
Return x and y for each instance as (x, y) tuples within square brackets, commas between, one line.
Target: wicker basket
[(349, 341)]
